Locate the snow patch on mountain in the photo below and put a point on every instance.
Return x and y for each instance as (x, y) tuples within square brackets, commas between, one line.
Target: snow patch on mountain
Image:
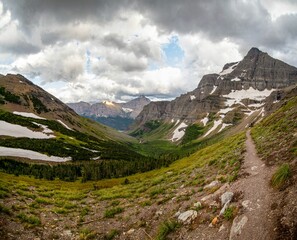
[(205, 120), (192, 97), (213, 90), (127, 110), (251, 93), (236, 79), (13, 130), (225, 110), (228, 70), (26, 114), (64, 124), (18, 152), (216, 123), (179, 132), (224, 125)]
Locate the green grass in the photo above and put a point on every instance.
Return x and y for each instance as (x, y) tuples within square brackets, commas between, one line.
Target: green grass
[(167, 227), (111, 235), (30, 219), (4, 209), (110, 213), (281, 175), (274, 135), (229, 213), (86, 234)]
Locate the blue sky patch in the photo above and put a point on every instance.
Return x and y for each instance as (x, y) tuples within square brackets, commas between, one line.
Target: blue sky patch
[(174, 54)]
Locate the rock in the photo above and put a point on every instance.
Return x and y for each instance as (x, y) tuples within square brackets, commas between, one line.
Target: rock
[(224, 208), (177, 214), (67, 233), (132, 230), (197, 205), (159, 213), (226, 197), (237, 226), (222, 228), (187, 217), (212, 184)]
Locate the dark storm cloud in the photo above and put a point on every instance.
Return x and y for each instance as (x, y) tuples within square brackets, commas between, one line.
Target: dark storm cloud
[(29, 12), (246, 22), (18, 48)]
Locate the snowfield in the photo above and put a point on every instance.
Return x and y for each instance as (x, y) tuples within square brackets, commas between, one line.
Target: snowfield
[(26, 114), (64, 125), (13, 130), (205, 120), (228, 70), (179, 132), (214, 127), (224, 125), (251, 93), (18, 152), (127, 110)]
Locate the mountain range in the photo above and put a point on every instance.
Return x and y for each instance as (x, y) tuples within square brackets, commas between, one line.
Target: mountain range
[(117, 115)]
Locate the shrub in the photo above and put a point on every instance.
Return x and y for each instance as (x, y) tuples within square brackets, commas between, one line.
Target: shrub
[(229, 213), (32, 220), (166, 228), (4, 209), (111, 234), (110, 213), (281, 175)]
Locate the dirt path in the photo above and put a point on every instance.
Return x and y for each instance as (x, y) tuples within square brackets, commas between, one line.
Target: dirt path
[(255, 222)]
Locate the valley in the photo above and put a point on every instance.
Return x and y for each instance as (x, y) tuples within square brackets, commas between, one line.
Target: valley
[(218, 162)]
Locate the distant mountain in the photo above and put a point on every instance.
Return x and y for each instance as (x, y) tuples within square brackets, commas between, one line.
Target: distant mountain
[(223, 99), (117, 115)]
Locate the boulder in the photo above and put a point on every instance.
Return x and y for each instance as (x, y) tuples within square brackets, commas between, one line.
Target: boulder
[(187, 217), (212, 184), (226, 197)]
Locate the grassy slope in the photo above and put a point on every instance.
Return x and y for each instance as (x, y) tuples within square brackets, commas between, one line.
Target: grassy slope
[(275, 136), (77, 202)]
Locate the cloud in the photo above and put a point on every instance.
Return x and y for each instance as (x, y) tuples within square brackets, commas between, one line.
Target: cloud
[(56, 63), (115, 49)]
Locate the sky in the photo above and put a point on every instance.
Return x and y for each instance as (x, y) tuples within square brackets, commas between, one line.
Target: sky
[(99, 50)]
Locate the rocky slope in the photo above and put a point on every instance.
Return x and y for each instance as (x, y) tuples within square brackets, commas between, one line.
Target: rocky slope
[(241, 87)]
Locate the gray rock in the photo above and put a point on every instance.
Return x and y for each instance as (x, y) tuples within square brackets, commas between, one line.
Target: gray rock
[(197, 204), (187, 217), (237, 226), (212, 184), (226, 197)]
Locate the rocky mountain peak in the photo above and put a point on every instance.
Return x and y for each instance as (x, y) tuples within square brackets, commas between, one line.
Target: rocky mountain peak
[(245, 83)]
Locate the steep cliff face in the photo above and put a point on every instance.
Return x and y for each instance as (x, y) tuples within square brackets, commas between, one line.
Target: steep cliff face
[(245, 83)]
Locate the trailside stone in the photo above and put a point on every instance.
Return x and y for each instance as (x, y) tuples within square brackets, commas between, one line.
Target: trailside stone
[(187, 217), (226, 197), (212, 184), (237, 226)]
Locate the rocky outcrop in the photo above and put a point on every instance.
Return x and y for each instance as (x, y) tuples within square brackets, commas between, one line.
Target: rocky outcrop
[(256, 72)]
